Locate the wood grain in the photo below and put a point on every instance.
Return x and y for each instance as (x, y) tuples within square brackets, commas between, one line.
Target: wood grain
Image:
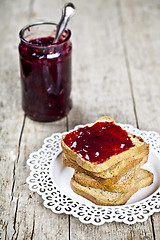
[(141, 49), (115, 72)]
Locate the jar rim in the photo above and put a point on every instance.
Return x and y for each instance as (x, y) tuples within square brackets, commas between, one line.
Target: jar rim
[(41, 23)]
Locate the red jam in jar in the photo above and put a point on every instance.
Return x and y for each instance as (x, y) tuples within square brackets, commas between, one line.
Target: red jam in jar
[(45, 72), (98, 142)]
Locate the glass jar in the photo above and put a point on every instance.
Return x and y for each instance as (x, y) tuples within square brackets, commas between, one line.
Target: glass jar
[(45, 72)]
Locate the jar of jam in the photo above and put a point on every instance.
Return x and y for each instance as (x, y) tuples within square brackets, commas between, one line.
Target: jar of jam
[(45, 69)]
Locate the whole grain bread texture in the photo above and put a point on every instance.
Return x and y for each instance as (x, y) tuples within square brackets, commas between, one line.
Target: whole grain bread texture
[(115, 172), (104, 197), (124, 184), (138, 148)]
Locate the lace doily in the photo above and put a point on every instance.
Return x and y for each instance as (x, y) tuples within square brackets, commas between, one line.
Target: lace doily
[(42, 182)]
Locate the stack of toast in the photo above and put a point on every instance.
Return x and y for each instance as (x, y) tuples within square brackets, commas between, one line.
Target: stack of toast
[(107, 162)]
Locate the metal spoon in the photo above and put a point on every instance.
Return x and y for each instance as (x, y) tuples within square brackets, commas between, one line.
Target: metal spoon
[(67, 12)]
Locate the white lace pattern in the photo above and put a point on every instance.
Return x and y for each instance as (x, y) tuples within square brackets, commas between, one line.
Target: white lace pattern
[(40, 181)]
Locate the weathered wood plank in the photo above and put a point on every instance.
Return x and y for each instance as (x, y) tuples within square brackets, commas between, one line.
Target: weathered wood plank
[(115, 72), (141, 33), (101, 85), (100, 78), (11, 117), (33, 219), (111, 231), (37, 221), (22, 213)]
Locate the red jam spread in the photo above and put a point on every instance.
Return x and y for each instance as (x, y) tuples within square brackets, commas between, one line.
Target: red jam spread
[(98, 142), (46, 78)]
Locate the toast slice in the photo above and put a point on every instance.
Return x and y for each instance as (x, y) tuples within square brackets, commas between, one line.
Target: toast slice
[(124, 184), (127, 145), (107, 198), (115, 172)]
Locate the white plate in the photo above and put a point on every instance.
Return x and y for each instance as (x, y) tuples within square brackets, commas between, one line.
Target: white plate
[(50, 179)]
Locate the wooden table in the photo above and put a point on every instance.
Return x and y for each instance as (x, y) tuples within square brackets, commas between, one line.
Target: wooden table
[(116, 72)]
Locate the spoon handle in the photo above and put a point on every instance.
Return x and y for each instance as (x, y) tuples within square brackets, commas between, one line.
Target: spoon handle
[(67, 12)]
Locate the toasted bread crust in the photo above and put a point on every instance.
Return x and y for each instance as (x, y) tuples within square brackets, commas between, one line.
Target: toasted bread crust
[(120, 186), (103, 197), (115, 180), (139, 147), (112, 174), (124, 184)]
